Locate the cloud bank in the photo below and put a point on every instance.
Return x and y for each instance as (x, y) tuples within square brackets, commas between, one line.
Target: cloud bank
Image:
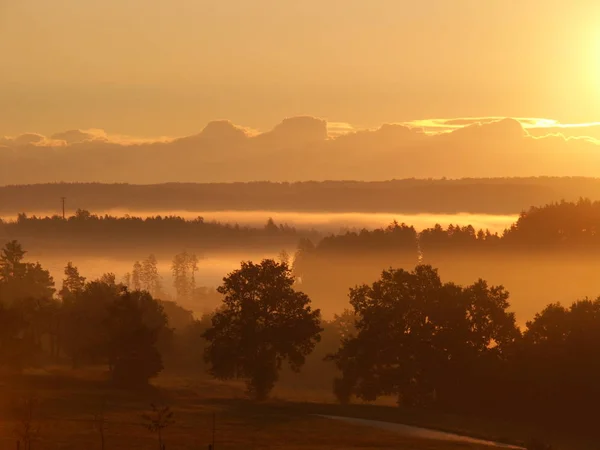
[(308, 148)]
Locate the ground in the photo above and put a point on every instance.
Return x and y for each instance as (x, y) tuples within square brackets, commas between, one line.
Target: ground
[(68, 401)]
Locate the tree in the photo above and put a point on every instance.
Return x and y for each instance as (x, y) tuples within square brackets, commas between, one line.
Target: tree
[(26, 430), (100, 425), (262, 323), (110, 279), (42, 318), (271, 227), (284, 257), (72, 283), (127, 281), (134, 324), (157, 420), (19, 279), (423, 340), (184, 268), (15, 350), (136, 277), (149, 277), (82, 215), (558, 364), (11, 261), (85, 320), (107, 323), (179, 317)]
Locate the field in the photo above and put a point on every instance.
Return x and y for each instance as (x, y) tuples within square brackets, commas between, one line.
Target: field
[(67, 402)]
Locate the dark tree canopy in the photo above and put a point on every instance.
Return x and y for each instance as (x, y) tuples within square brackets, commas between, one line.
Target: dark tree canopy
[(135, 321), (72, 283), (105, 322), (559, 362), (262, 323), (15, 351), (20, 279), (417, 337)]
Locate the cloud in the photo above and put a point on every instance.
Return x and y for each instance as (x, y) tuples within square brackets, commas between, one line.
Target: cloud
[(78, 136), (296, 131), (534, 126), (492, 132), (225, 129), (23, 140), (309, 148), (335, 129)]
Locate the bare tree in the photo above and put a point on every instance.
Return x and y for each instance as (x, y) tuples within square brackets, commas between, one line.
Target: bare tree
[(26, 429), (100, 425), (157, 420)]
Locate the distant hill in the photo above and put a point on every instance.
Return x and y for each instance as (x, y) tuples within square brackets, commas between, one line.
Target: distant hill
[(490, 196)]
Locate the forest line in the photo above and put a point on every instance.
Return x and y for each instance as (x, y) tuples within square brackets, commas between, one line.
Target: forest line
[(556, 226), (401, 196)]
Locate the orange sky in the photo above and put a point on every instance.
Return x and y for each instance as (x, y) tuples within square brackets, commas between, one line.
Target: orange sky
[(166, 68)]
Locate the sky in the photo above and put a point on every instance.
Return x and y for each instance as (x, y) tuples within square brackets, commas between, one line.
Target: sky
[(152, 68)]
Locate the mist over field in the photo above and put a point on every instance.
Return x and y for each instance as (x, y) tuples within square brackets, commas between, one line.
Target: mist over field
[(521, 272), (299, 225), (322, 222), (214, 263)]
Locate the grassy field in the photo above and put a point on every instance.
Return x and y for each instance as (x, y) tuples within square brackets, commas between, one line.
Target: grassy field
[(67, 402)]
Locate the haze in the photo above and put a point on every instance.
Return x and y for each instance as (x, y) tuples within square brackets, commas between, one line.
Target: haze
[(149, 68), (275, 223)]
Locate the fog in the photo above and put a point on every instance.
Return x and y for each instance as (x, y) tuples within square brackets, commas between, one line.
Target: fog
[(214, 264), (532, 280), (324, 222), (211, 268)]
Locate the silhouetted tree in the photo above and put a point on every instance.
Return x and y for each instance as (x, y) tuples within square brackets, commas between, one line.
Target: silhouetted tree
[(105, 322), (421, 339), (15, 350), (262, 323), (19, 279), (111, 233), (178, 316), (85, 318), (100, 423), (72, 283), (558, 368), (157, 420), (27, 429), (11, 261), (134, 323)]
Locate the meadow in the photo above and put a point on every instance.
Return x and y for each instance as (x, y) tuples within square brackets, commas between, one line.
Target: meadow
[(72, 406)]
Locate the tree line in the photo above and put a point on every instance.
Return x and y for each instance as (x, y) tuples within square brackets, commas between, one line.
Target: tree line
[(556, 226), (75, 232), (408, 335), (565, 226)]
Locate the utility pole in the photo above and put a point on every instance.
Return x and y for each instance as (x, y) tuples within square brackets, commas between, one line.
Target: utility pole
[(63, 206)]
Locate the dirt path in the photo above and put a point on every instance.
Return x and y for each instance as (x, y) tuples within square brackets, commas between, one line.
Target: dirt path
[(422, 433)]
